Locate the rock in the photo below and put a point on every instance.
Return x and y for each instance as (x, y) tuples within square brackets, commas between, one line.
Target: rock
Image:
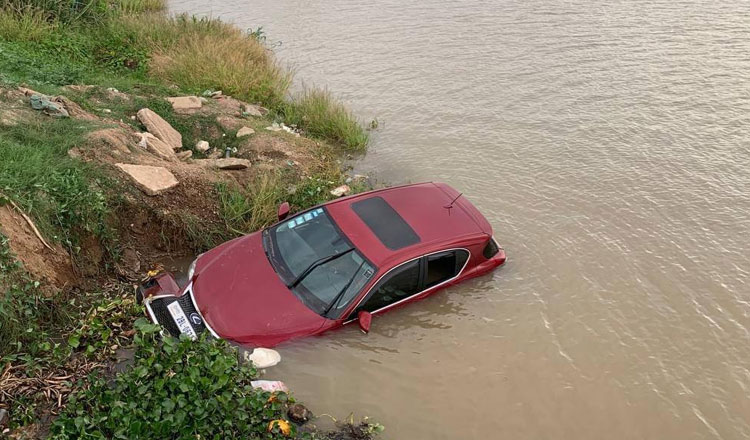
[(245, 131), (229, 123), (113, 93), (231, 163), (160, 128), (150, 180), (157, 146), (113, 138), (185, 104), (298, 413), (74, 110), (215, 154), (204, 100), (202, 146), (274, 127), (340, 191), (49, 107), (185, 155), (28, 92), (251, 110), (216, 94), (230, 106), (3, 418)]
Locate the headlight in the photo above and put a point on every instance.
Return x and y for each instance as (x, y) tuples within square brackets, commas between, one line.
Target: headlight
[(191, 269)]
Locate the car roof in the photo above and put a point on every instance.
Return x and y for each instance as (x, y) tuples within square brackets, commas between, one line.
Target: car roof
[(399, 222)]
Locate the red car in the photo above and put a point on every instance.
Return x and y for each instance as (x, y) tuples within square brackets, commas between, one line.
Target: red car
[(333, 264)]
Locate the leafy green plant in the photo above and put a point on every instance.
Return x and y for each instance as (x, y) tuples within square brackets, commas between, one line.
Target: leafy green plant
[(175, 389)]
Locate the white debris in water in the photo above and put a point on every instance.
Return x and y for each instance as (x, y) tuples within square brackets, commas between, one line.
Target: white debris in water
[(263, 357)]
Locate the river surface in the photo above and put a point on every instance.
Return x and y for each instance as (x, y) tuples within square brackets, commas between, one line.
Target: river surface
[(608, 143)]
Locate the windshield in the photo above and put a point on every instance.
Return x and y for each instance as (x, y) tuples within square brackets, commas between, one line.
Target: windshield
[(317, 261)]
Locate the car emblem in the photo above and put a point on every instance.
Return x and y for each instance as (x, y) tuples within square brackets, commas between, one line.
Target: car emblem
[(195, 319)]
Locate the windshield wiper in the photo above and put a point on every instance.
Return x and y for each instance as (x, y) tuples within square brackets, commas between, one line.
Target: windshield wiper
[(343, 289), (315, 264)]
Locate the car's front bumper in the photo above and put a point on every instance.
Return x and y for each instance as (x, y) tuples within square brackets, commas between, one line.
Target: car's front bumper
[(159, 294)]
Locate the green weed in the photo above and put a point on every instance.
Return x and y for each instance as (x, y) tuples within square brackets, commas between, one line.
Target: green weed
[(175, 389), (321, 115)]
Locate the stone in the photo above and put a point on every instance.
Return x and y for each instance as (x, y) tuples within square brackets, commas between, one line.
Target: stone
[(3, 418), (185, 155), (231, 163), (298, 413), (229, 123), (202, 146), (185, 104), (28, 92), (251, 110), (74, 110), (245, 131), (113, 138), (151, 180), (160, 128), (49, 107), (340, 191), (157, 146)]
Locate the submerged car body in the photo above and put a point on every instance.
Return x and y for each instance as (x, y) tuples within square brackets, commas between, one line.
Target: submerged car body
[(328, 266)]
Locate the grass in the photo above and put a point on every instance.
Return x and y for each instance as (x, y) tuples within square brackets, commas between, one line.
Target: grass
[(248, 209), (63, 195), (322, 116)]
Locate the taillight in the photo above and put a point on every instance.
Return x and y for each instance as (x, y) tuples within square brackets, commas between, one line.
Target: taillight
[(490, 249)]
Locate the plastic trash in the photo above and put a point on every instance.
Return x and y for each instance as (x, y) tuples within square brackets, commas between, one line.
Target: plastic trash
[(263, 357), (270, 385)]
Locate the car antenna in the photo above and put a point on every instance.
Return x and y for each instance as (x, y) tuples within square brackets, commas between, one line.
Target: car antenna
[(449, 206)]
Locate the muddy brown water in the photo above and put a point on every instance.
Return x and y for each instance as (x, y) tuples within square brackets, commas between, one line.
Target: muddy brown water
[(609, 145)]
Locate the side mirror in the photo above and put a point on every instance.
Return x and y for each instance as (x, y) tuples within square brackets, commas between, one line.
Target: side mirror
[(283, 211), (364, 318)]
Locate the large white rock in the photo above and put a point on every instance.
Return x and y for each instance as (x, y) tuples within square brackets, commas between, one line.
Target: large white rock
[(231, 163), (150, 180), (245, 131), (185, 104), (340, 191), (157, 146), (160, 128), (202, 146)]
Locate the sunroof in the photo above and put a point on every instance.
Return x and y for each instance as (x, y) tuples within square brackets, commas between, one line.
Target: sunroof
[(385, 222)]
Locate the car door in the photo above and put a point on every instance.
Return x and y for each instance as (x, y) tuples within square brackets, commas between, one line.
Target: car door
[(397, 285), (412, 278)]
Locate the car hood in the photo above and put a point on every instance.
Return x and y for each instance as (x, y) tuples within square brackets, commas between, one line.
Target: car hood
[(243, 299)]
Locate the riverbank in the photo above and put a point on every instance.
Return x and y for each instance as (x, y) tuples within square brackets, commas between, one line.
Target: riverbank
[(115, 124)]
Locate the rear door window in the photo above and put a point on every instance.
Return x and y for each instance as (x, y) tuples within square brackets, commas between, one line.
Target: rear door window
[(444, 266), (401, 283)]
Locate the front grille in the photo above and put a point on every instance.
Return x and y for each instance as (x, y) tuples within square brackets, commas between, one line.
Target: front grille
[(164, 318), (162, 315)]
